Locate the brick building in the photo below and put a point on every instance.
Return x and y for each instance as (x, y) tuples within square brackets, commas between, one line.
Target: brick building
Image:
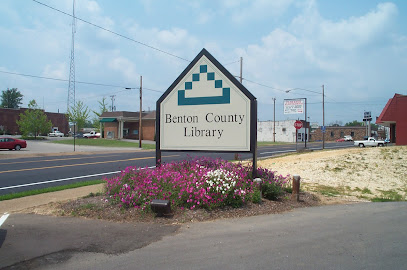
[(9, 117), (125, 125), (394, 116), (334, 133)]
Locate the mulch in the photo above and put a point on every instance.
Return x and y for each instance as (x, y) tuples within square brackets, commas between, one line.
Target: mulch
[(97, 208)]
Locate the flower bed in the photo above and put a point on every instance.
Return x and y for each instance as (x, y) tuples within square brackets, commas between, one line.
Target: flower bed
[(196, 183)]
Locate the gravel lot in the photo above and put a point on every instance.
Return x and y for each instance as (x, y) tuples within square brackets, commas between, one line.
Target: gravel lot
[(356, 173)]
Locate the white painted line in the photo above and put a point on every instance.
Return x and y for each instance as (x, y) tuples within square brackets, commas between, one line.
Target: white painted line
[(64, 179), (3, 218), (284, 151)]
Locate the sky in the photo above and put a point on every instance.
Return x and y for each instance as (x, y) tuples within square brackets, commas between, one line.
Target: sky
[(356, 49)]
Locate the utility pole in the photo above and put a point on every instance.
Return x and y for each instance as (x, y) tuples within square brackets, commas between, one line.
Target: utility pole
[(241, 70), (112, 97), (323, 118), (274, 122), (306, 137), (140, 114)]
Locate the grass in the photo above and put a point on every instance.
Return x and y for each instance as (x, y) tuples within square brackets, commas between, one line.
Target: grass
[(271, 143), (50, 189), (327, 190), (105, 143), (388, 196)]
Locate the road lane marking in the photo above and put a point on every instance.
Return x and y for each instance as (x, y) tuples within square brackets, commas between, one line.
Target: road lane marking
[(46, 160), (64, 179), (82, 164), (3, 218)]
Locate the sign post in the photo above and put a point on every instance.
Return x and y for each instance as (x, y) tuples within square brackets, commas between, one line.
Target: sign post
[(297, 106), (206, 109)]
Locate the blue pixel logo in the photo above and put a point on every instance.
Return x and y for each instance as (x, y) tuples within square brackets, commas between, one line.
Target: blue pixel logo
[(208, 76)]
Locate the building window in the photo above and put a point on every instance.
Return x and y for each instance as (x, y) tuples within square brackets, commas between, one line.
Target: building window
[(342, 134), (332, 134), (352, 134)]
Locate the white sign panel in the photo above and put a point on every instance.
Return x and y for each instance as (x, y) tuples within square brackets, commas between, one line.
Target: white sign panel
[(367, 114), (205, 110), (293, 106)]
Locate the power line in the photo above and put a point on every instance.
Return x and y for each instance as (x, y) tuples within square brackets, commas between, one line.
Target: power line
[(112, 32), (80, 82), (263, 85), (232, 63)]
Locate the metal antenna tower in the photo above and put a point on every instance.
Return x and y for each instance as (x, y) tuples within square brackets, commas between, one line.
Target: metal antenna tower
[(71, 85)]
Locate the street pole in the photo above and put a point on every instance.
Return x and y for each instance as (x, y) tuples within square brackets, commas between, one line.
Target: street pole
[(274, 121), (323, 117), (74, 133), (241, 81), (140, 114), (306, 137)]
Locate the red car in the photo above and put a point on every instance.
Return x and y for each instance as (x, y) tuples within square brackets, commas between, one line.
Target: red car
[(11, 143), (340, 140)]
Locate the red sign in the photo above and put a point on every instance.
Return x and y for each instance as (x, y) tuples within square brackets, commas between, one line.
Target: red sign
[(298, 124)]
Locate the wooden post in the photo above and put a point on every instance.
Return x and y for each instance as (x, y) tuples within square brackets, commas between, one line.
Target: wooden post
[(295, 195)]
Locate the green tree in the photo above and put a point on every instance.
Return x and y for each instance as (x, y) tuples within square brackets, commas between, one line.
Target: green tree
[(11, 98), (79, 114), (103, 107), (354, 123), (33, 120)]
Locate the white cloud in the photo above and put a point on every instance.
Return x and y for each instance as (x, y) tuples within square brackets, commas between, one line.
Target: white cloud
[(92, 6), (124, 66), (358, 31), (56, 70), (257, 9)]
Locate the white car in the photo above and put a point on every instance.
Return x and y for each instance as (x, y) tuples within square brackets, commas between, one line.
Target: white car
[(348, 138), (56, 133)]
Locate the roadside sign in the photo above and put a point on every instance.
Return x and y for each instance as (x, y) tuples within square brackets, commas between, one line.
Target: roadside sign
[(293, 106), (323, 129), (206, 109), (298, 124)]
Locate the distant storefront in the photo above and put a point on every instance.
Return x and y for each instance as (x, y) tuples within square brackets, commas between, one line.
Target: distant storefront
[(125, 125), (394, 116), (334, 133), (286, 132)]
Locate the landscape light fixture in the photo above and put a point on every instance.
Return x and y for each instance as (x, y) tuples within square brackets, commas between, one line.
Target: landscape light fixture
[(161, 207)]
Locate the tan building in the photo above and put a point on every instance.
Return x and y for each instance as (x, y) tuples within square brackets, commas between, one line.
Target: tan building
[(125, 125)]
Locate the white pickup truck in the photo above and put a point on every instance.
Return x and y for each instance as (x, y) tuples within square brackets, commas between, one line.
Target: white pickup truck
[(369, 142), (92, 134)]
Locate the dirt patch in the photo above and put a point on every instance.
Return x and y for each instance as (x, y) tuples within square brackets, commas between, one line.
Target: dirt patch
[(362, 173)]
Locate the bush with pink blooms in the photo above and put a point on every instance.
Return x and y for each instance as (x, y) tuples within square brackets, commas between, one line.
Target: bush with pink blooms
[(196, 183)]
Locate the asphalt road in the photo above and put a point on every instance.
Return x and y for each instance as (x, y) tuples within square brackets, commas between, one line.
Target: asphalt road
[(48, 167), (357, 236)]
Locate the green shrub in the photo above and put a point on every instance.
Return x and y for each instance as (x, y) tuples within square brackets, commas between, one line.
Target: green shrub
[(271, 191)]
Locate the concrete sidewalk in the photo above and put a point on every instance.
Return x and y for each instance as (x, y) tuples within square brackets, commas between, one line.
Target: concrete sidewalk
[(20, 204)]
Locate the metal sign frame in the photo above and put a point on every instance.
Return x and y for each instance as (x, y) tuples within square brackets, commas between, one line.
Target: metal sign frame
[(294, 111), (237, 84)]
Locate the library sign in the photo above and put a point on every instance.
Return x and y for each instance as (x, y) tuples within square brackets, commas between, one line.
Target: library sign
[(206, 109)]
